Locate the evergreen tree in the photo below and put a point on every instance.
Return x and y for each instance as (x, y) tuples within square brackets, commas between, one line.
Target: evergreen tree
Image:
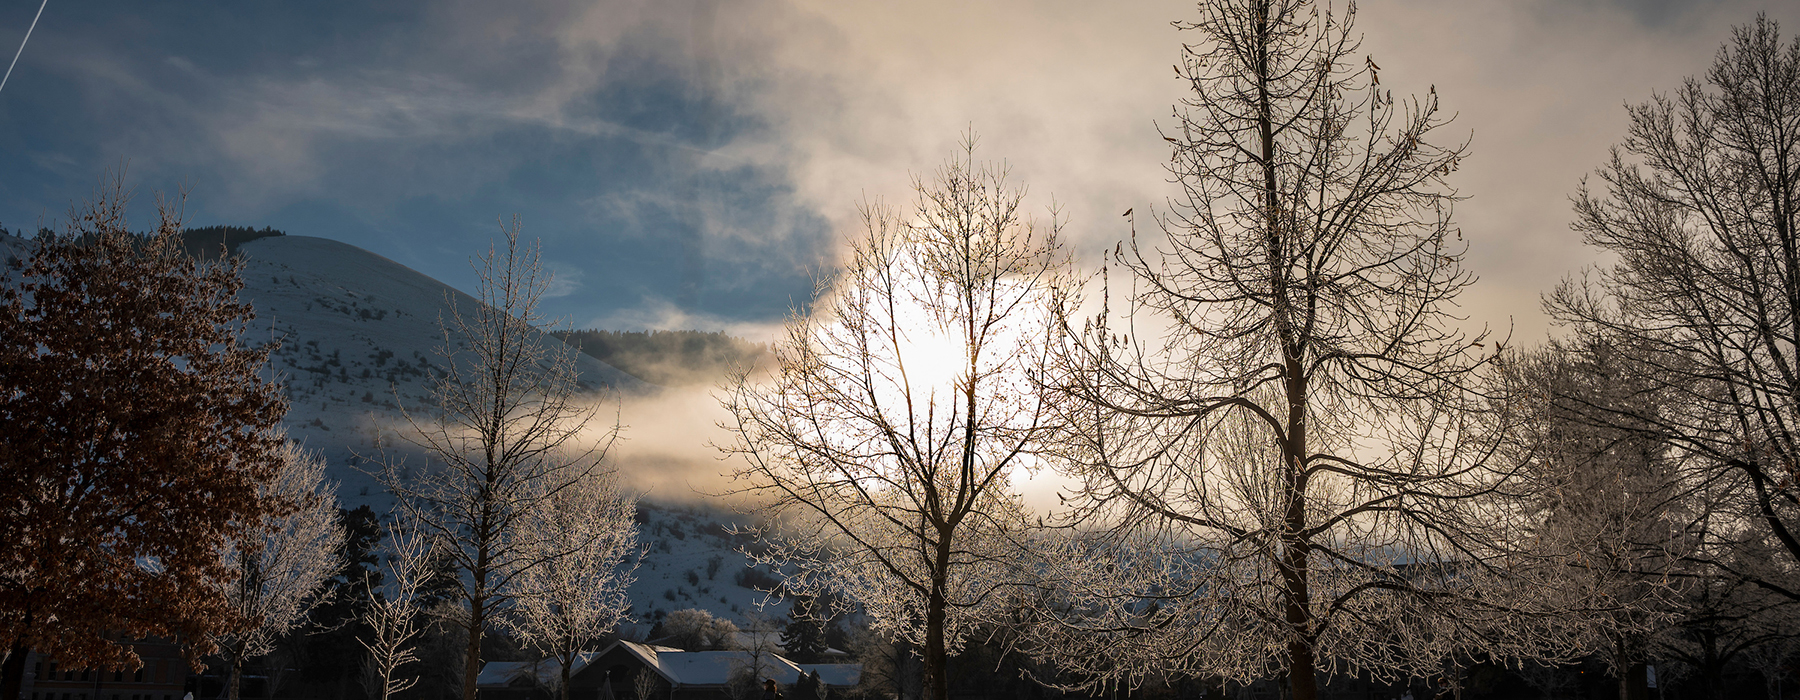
[(333, 653), (804, 636)]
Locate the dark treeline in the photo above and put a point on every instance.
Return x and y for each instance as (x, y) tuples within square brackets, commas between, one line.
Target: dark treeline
[(206, 241), (203, 241), (668, 358)]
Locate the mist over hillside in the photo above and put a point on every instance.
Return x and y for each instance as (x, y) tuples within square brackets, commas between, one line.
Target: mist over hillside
[(670, 358), (356, 337)]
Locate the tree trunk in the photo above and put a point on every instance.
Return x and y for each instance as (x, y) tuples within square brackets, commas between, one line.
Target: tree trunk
[(937, 682), (1295, 552), (472, 653), (237, 675), (12, 673), (567, 661), (1634, 686)]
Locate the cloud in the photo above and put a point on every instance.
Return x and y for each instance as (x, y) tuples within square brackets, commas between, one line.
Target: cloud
[(661, 314), (667, 448), (565, 279), (859, 97)]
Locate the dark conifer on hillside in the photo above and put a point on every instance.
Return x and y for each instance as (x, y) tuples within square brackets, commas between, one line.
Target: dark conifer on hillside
[(206, 242)]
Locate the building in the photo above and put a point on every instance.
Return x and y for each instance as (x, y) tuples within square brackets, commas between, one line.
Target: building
[(616, 672), (162, 677)]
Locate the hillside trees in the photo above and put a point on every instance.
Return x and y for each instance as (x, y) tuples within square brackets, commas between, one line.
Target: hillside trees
[(899, 408), (693, 629), (1294, 466), (508, 433), (139, 439), (1700, 206), (282, 572)]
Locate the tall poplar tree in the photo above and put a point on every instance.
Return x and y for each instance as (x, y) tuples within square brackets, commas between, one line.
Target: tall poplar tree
[(1284, 422), (508, 434)]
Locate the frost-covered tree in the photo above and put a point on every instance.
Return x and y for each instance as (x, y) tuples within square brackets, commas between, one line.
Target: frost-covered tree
[(508, 431), (647, 685), (1284, 423), (1700, 209), (757, 641), (584, 533), (1613, 526), (139, 437), (282, 571), (890, 668), (882, 446), (392, 615), (693, 629)]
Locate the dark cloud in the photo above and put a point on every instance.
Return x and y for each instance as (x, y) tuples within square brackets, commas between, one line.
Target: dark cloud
[(409, 129), (690, 162)]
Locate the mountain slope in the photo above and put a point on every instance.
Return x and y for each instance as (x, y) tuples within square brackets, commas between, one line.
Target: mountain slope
[(359, 335)]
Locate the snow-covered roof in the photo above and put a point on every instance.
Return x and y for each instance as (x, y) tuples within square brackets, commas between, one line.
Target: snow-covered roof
[(691, 668), (842, 675), (496, 674), (502, 673)]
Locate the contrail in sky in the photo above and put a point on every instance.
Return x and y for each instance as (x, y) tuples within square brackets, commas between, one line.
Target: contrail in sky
[(15, 61)]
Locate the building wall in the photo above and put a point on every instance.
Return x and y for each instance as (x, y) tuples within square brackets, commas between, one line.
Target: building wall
[(162, 677)]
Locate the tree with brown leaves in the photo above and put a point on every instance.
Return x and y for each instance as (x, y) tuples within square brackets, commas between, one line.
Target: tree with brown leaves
[(138, 437)]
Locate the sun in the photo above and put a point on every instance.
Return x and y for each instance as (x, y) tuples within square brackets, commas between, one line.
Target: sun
[(931, 360)]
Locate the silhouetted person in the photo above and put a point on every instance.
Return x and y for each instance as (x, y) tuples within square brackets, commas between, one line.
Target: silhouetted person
[(770, 690)]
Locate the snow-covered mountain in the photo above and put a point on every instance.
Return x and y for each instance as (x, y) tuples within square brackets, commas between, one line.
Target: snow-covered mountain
[(358, 336)]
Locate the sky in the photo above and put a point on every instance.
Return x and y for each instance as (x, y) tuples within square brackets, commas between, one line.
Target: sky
[(695, 163)]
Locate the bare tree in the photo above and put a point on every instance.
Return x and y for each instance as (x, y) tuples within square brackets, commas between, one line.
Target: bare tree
[(759, 642), (646, 684), (1701, 207), (508, 434), (900, 407), (1722, 621), (578, 593), (1284, 425), (1774, 660), (392, 615), (889, 668), (282, 573)]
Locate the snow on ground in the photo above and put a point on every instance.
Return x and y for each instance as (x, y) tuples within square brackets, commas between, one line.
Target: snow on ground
[(690, 560), (360, 335)]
